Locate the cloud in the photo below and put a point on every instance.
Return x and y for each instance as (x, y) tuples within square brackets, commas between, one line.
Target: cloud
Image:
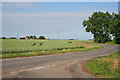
[(68, 23), (52, 14), (18, 5), (13, 7)]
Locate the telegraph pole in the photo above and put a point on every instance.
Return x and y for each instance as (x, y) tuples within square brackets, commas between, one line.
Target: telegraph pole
[(58, 34), (17, 36)]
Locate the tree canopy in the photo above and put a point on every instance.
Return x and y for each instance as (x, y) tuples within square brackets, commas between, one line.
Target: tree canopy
[(102, 25), (3, 37), (41, 37), (115, 27)]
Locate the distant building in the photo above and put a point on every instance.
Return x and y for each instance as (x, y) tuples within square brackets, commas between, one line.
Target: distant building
[(119, 7), (26, 37), (47, 38)]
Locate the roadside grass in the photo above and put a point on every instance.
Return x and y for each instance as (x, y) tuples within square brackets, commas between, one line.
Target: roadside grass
[(25, 48), (111, 42), (105, 67), (38, 53), (108, 43)]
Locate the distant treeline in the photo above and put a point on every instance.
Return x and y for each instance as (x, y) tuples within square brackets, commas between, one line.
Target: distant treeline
[(27, 37), (8, 38)]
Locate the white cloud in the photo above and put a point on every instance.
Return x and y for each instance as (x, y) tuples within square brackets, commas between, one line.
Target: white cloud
[(52, 14), (68, 23), (19, 5)]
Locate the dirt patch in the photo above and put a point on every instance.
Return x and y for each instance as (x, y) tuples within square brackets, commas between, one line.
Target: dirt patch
[(84, 44)]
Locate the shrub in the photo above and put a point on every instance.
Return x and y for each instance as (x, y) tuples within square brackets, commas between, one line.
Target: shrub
[(41, 44), (41, 37), (70, 42)]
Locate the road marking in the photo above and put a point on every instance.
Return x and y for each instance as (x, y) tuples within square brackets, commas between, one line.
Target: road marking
[(21, 70), (28, 70), (39, 67), (35, 68), (53, 65), (12, 72)]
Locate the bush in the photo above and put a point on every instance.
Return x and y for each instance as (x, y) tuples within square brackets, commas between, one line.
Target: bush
[(3, 37), (34, 44), (41, 37), (117, 40), (70, 42), (41, 44), (22, 38), (13, 38)]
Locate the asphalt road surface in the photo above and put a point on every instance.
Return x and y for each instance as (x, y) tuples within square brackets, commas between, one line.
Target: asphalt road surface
[(53, 66)]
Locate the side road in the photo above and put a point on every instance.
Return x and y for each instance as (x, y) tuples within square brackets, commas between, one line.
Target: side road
[(53, 66)]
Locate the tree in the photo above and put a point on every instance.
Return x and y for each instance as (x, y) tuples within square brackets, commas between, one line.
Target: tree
[(41, 37), (31, 37), (115, 27), (34, 37), (3, 37), (13, 38), (28, 37), (22, 38), (98, 24)]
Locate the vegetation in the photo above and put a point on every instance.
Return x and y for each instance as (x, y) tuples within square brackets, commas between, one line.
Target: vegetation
[(102, 26), (22, 38), (41, 37), (115, 30), (3, 37), (105, 67), (21, 48), (108, 43), (13, 38), (32, 37)]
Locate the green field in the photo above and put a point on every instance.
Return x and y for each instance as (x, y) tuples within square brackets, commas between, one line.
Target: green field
[(20, 48), (105, 67)]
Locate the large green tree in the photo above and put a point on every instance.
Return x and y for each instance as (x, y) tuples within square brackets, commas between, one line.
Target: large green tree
[(115, 27), (98, 24)]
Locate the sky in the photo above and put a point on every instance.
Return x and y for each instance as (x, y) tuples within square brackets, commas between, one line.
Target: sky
[(59, 0), (54, 20)]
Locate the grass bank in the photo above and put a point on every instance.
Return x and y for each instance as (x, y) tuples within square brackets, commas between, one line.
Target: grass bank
[(108, 43), (105, 67)]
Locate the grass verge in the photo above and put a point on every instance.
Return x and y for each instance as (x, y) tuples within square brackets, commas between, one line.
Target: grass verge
[(105, 67), (108, 43), (49, 52)]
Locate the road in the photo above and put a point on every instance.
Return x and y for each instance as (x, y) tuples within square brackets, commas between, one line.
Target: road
[(53, 66)]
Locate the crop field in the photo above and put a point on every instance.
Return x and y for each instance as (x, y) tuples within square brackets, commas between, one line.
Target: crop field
[(16, 47)]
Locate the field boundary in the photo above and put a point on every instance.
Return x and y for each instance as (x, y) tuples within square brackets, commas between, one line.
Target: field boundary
[(90, 49)]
